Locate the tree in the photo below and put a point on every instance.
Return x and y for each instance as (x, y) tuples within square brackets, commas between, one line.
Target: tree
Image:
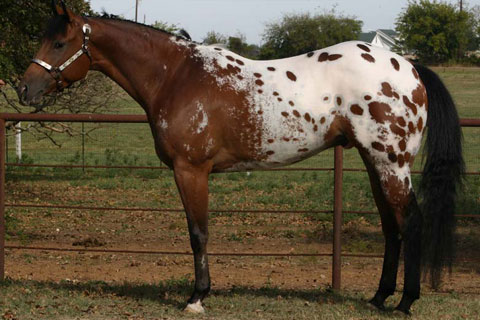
[(435, 31), (165, 26), (474, 33), (300, 33), (213, 37), (237, 44), (22, 25)]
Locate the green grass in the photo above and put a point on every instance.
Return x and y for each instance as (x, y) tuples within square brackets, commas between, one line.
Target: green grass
[(99, 300)]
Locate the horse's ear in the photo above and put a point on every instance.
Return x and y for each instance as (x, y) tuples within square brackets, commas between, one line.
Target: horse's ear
[(61, 9), (55, 8), (66, 11)]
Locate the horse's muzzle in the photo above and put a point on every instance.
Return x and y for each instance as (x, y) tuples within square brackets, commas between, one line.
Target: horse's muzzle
[(27, 96)]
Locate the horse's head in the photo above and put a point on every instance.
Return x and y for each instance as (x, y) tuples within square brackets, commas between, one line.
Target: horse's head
[(63, 57)]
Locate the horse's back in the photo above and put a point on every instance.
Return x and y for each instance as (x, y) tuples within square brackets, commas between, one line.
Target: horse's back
[(292, 108), (365, 93)]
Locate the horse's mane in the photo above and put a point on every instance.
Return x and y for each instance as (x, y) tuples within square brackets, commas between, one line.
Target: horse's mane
[(56, 25), (181, 33), (59, 23)]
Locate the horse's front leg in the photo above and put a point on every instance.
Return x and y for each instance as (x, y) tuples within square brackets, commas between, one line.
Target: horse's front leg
[(192, 183)]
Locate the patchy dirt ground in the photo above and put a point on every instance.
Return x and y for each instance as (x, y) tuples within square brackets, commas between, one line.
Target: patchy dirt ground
[(232, 233), (358, 274)]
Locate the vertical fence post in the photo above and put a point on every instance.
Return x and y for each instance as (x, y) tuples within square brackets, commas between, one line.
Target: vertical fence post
[(2, 199), (6, 147), (337, 219), (18, 142), (83, 147)]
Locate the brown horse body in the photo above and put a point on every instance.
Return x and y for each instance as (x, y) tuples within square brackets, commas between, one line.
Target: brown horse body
[(213, 111)]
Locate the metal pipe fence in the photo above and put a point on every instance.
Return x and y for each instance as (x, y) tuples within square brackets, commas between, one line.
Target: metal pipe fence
[(337, 211)]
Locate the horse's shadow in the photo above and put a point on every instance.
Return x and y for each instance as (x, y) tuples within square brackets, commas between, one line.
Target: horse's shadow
[(175, 292)]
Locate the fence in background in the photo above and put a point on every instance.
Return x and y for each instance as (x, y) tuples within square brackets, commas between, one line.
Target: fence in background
[(337, 211)]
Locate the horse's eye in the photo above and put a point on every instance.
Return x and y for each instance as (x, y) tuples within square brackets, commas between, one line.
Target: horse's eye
[(58, 45)]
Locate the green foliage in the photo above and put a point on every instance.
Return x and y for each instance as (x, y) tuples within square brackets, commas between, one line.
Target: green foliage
[(22, 25), (237, 44), (435, 31), (300, 33), (213, 37), (474, 33), (240, 46), (165, 26)]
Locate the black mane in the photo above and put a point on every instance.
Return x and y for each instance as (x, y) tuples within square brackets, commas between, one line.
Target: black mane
[(58, 25), (181, 33)]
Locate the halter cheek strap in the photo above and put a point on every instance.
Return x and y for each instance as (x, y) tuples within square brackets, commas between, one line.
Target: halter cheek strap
[(56, 72)]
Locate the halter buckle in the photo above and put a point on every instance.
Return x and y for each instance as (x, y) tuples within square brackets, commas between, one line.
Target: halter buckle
[(86, 29)]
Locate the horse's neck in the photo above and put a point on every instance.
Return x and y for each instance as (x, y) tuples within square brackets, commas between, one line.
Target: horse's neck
[(136, 57)]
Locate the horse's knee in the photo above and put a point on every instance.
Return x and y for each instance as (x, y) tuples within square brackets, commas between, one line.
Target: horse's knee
[(198, 239)]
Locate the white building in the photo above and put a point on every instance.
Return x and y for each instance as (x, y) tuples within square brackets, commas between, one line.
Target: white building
[(383, 38)]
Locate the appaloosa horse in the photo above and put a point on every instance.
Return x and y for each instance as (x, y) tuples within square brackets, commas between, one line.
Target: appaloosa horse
[(211, 110)]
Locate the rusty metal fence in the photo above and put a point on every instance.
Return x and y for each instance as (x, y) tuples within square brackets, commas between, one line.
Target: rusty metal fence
[(337, 211)]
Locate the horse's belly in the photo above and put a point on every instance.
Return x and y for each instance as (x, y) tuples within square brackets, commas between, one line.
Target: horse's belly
[(291, 133)]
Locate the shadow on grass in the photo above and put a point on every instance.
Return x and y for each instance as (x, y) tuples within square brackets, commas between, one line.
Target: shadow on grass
[(175, 292)]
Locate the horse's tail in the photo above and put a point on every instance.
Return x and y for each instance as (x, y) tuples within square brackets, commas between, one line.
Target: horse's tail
[(441, 178)]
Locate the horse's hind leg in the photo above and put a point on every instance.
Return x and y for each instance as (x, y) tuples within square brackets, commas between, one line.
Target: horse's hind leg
[(192, 183), (401, 219), (412, 234), (391, 232)]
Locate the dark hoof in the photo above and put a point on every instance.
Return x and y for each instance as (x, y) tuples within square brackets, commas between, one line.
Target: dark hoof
[(400, 311), (405, 304), (377, 304)]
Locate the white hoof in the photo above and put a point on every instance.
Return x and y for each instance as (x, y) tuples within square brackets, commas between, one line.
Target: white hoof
[(195, 307)]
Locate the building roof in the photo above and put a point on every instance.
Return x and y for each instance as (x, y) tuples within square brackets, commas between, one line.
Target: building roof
[(367, 36), (389, 32)]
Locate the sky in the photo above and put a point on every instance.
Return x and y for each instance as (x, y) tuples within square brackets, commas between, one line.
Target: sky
[(249, 17)]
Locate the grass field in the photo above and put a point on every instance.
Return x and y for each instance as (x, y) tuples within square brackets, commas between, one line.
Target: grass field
[(98, 300), (155, 288)]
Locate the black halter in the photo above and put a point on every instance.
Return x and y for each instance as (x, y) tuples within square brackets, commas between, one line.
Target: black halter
[(56, 72)]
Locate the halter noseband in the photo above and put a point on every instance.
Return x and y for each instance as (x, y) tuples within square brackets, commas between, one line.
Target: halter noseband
[(56, 72)]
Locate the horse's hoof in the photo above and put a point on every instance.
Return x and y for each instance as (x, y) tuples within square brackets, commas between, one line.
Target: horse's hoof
[(372, 304), (400, 312), (195, 307)]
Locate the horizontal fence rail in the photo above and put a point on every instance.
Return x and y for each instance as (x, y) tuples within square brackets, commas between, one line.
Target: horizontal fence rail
[(185, 253), (219, 211), (337, 211), (79, 166)]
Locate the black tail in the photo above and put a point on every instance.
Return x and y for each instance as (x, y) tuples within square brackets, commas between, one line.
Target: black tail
[(442, 176)]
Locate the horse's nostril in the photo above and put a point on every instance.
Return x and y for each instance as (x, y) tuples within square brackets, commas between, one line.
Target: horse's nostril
[(22, 90), (22, 93)]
